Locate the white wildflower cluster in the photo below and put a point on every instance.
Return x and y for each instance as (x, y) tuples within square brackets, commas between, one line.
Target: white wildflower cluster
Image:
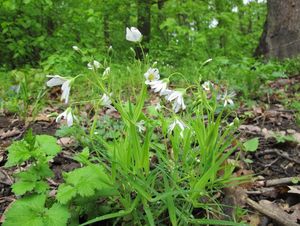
[(160, 86), (94, 65), (152, 79), (66, 82), (226, 97)]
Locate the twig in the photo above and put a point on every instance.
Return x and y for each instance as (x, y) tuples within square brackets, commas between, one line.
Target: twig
[(279, 181), (262, 190), (280, 153), (272, 212)]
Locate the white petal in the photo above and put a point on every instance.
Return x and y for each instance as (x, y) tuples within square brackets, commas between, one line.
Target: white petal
[(230, 101), (173, 95), (133, 34), (166, 93), (69, 119), (66, 91), (225, 103), (60, 116), (176, 107), (55, 81), (106, 71), (129, 35), (96, 64), (171, 127)]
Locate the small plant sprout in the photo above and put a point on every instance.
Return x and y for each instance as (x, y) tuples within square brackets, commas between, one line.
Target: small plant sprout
[(177, 97), (133, 35), (141, 126), (178, 123), (57, 80), (66, 115), (151, 75), (94, 65), (227, 98), (159, 86), (207, 86)]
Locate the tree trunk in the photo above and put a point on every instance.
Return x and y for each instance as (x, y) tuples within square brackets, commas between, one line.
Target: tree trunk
[(281, 35), (144, 17)]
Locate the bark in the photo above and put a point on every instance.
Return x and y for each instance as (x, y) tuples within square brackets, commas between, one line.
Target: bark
[(281, 36), (144, 25)]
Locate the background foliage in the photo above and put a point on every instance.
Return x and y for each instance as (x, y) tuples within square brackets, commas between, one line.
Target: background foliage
[(36, 31)]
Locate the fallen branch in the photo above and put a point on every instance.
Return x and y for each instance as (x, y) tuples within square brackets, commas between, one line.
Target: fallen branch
[(273, 212), (274, 182)]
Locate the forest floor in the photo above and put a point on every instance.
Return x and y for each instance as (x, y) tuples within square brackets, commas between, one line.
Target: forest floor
[(274, 195)]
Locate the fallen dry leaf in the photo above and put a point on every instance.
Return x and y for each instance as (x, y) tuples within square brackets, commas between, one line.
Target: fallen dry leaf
[(250, 128), (294, 189), (9, 133), (66, 141), (295, 209)]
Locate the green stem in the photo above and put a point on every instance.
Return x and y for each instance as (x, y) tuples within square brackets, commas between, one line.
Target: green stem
[(141, 47)]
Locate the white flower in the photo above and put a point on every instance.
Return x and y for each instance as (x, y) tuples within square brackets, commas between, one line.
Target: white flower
[(76, 48), (94, 65), (213, 23), (141, 126), (235, 9), (177, 97), (65, 91), (133, 34), (57, 80), (167, 93), (159, 86), (207, 85), (179, 123), (106, 71), (66, 115), (227, 98), (105, 101), (248, 1), (151, 75)]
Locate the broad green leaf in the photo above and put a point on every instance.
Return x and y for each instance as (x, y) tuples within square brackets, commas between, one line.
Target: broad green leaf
[(84, 182), (65, 193), (57, 215), (251, 145), (26, 212), (41, 186), (47, 145), (21, 187), (17, 153)]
